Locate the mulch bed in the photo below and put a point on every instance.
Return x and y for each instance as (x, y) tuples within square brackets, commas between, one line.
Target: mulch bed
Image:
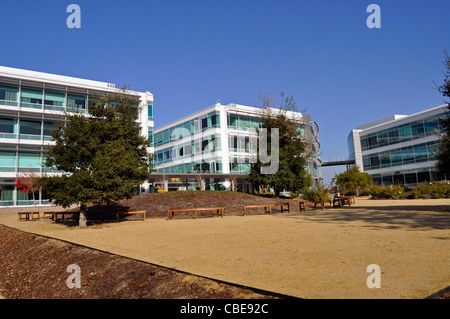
[(156, 205), (35, 267)]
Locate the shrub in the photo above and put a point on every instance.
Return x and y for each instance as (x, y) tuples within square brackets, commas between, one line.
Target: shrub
[(394, 192), (316, 195), (433, 190)]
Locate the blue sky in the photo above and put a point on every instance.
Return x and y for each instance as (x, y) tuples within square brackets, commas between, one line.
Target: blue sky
[(190, 54)]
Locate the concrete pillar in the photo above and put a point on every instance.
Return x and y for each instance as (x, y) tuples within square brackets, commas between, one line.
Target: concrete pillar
[(202, 183)]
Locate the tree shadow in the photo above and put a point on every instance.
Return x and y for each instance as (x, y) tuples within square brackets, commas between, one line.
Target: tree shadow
[(96, 215), (385, 217)]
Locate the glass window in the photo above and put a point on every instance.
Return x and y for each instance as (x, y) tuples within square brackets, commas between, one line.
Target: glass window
[(417, 130), (29, 160), (7, 159), (372, 141), (244, 123), (387, 180), (150, 109), (411, 178), (423, 176), (405, 132), (56, 99), (233, 121), (213, 120), (30, 96), (408, 155), (432, 149), (399, 179), (374, 161), (49, 127), (364, 143), (396, 157), (30, 127), (382, 138), (7, 126), (205, 146), (76, 102), (421, 153), (204, 123), (7, 193), (165, 136), (431, 127), (366, 162), (393, 136), (385, 159), (8, 94)]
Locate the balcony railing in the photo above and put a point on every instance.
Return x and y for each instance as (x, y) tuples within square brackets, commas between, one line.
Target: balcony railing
[(31, 105), (54, 108), (8, 103), (8, 135)]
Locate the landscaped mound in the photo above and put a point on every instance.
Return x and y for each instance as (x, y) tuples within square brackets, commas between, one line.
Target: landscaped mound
[(36, 267), (156, 205)]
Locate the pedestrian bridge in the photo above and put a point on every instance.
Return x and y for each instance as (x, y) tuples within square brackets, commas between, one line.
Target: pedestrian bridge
[(338, 161)]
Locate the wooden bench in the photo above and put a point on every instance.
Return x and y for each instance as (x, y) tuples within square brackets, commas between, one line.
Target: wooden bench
[(27, 215), (302, 204), (118, 214), (351, 199), (195, 210), (267, 207), (55, 214), (341, 201)]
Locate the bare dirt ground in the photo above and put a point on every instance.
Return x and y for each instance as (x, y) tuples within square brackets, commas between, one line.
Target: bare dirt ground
[(312, 254)]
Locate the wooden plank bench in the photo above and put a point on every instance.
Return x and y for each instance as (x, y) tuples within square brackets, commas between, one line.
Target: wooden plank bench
[(267, 207), (340, 202), (118, 214), (302, 204), (28, 216), (55, 214), (195, 210)]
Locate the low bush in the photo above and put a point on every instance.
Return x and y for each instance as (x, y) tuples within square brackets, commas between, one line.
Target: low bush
[(431, 190), (316, 195), (388, 192)]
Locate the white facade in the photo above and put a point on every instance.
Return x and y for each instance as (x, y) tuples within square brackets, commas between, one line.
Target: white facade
[(399, 149), (214, 148), (31, 103)]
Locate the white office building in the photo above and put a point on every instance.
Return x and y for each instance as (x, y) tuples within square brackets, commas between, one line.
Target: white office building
[(31, 103), (400, 149), (213, 149)]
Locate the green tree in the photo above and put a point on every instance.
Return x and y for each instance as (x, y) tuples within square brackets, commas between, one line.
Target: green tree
[(443, 153), (102, 155), (352, 180), (291, 173)]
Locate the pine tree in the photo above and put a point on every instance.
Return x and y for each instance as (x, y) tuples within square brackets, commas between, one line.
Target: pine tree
[(103, 156)]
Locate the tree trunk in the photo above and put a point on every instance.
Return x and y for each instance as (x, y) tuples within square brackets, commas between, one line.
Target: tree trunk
[(82, 219)]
